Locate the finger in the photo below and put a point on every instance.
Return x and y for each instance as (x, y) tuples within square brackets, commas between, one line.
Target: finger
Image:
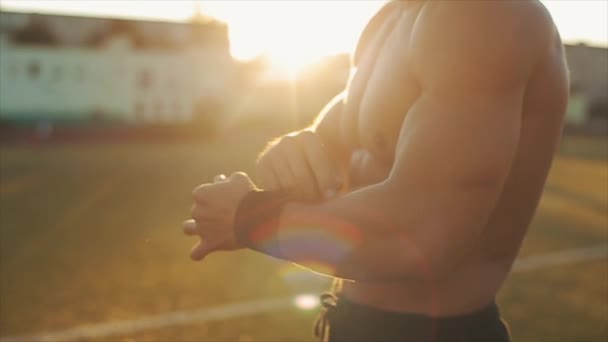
[(201, 250), (200, 193), (321, 166), (241, 180), (240, 177), (200, 213), (267, 176), (304, 180), (282, 172), (190, 228), (219, 178), (205, 194)]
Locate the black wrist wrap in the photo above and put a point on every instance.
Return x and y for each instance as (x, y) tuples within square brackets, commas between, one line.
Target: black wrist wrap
[(257, 221)]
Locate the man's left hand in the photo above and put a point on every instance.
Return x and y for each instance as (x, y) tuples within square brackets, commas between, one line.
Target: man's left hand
[(213, 214)]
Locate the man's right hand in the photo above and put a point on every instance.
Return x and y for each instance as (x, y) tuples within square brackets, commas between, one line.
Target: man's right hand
[(298, 163)]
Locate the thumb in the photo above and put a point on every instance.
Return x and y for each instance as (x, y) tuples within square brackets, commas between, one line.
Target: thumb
[(201, 250), (241, 177)]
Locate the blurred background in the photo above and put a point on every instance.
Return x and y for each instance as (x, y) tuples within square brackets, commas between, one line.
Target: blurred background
[(111, 111)]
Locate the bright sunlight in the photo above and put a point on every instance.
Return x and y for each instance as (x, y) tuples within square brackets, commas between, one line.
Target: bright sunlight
[(295, 33), (292, 33)]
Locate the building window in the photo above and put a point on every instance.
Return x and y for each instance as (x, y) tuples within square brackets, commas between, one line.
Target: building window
[(33, 70), (144, 79)]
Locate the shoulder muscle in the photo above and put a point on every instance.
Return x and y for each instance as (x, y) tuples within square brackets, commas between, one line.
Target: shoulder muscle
[(479, 44)]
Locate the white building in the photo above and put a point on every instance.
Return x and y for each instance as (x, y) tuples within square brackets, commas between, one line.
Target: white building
[(124, 75)]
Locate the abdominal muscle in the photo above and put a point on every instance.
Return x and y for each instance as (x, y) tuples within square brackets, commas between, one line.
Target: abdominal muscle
[(468, 290)]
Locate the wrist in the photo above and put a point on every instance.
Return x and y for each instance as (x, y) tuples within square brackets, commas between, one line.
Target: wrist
[(256, 221)]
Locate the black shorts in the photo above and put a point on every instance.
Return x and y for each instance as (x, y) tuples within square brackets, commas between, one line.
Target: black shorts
[(345, 321)]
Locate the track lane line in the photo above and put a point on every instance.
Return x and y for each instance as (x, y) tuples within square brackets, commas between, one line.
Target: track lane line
[(231, 311)]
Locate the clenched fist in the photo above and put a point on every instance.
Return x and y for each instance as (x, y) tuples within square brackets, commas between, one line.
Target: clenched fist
[(213, 214)]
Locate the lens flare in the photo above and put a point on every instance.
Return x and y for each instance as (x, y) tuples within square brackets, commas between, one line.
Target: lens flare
[(306, 301)]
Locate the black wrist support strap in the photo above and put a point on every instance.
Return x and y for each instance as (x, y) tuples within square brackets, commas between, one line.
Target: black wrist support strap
[(257, 221)]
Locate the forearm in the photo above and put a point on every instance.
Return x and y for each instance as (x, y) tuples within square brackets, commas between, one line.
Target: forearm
[(352, 237), (359, 236), (379, 232)]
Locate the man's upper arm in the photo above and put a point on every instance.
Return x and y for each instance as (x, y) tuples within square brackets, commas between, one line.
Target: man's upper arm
[(460, 137), (454, 153)]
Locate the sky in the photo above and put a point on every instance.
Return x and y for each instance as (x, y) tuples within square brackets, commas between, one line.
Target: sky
[(296, 32)]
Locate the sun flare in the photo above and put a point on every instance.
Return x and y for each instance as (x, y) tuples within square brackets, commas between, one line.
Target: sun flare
[(294, 33)]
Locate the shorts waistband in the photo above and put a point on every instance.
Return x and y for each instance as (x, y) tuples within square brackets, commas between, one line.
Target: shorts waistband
[(345, 306), (345, 320)]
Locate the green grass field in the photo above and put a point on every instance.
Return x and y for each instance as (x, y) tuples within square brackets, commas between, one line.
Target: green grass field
[(91, 234)]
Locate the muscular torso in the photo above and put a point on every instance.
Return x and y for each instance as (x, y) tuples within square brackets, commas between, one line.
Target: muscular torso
[(379, 96)]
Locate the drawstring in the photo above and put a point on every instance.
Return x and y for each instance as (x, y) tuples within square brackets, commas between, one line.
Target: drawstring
[(328, 303)]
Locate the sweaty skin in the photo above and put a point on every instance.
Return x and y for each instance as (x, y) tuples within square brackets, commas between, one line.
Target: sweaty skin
[(473, 95)]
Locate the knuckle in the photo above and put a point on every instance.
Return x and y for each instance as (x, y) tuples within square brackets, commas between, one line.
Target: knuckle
[(219, 178), (287, 142), (239, 177), (199, 193), (271, 152), (189, 226), (310, 137), (268, 150), (307, 135), (238, 174)]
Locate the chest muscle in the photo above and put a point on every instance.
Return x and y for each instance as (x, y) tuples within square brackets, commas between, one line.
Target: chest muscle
[(381, 91)]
